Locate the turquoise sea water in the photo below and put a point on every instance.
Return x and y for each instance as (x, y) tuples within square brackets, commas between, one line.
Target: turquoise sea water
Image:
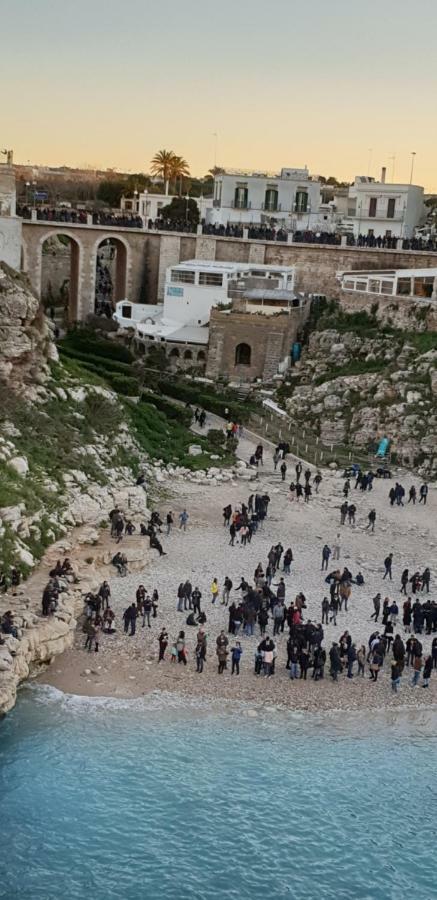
[(153, 799)]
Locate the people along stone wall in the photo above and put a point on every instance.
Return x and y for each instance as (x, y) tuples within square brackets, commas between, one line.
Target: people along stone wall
[(148, 253)]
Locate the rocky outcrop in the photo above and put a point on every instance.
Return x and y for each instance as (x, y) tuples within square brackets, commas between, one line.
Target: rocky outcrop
[(26, 343), (391, 391)]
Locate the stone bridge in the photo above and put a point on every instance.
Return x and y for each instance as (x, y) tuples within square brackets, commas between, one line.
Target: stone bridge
[(143, 256)]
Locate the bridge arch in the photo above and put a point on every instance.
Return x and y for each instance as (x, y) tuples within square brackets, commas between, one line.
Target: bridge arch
[(65, 296), (112, 262)]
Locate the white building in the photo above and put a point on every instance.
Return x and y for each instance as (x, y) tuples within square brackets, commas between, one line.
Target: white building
[(191, 290), (290, 199), (150, 206), (10, 224), (384, 210), (421, 284)]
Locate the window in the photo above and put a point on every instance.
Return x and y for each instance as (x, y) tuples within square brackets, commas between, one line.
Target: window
[(126, 312), (361, 286), (174, 353), (201, 356), (240, 197), (348, 285), (213, 279), (271, 200), (404, 286), (423, 287), (181, 276), (386, 287), (391, 208), (243, 355), (188, 354), (301, 201), (374, 286), (372, 207)]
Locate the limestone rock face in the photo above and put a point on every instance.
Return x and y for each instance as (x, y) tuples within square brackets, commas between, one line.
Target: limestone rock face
[(394, 394), (25, 335)]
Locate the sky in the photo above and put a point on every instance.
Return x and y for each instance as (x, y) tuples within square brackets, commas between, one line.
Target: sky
[(340, 86)]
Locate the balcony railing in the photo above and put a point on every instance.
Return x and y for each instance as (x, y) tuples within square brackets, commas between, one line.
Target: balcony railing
[(271, 207), (241, 204), (379, 216)]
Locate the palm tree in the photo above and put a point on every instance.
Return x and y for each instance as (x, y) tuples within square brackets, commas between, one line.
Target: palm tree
[(179, 169), (162, 164)]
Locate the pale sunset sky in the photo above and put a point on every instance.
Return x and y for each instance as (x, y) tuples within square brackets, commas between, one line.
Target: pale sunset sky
[(282, 83)]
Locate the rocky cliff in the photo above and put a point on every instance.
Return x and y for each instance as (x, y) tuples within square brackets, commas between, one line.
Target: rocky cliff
[(26, 344), (353, 387)]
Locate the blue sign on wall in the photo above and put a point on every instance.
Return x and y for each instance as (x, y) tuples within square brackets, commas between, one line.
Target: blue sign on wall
[(175, 292)]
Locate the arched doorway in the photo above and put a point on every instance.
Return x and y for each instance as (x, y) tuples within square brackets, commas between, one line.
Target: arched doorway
[(243, 354), (60, 264), (111, 275)]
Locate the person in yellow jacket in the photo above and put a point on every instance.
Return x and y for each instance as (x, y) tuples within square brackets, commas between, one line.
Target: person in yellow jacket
[(214, 590)]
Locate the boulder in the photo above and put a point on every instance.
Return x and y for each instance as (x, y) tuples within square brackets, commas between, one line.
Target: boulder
[(20, 464), (195, 450)]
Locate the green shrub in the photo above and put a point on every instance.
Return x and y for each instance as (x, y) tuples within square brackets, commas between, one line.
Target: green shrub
[(202, 396), (85, 341)]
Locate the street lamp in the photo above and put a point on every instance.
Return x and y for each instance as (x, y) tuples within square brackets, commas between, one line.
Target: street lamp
[(136, 200), (186, 207), (413, 154)]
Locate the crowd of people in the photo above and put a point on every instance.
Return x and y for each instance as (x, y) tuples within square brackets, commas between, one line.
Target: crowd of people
[(262, 232), (289, 631), (260, 607)]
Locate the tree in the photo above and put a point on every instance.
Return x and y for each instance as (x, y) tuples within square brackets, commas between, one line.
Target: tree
[(182, 210), (179, 169), (110, 192), (162, 165)]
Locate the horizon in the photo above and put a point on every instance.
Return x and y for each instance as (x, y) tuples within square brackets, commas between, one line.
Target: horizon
[(342, 93)]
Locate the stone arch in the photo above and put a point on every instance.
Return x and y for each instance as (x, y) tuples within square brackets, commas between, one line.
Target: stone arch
[(201, 356), (72, 307), (174, 353), (188, 354), (119, 265), (243, 355)]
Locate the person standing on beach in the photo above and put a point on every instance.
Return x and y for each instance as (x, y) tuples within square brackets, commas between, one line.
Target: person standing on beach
[(336, 544), (236, 654), (169, 521), (181, 649), (326, 553), (388, 567), (214, 590), (376, 607), (163, 642), (183, 519)]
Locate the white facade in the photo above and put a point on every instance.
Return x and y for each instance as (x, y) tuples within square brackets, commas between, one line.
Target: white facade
[(290, 199), (10, 224), (191, 290), (391, 210), (149, 206), (418, 283)]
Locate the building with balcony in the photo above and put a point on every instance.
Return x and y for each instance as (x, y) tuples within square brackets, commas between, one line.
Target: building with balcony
[(384, 210), (290, 199)]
